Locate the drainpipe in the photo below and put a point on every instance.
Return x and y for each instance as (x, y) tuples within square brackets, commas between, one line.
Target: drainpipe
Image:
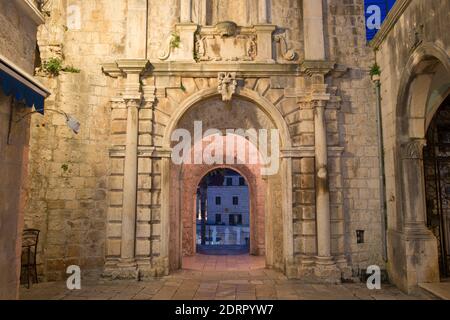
[(383, 205)]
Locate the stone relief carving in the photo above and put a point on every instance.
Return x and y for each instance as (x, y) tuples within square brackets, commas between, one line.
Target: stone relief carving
[(226, 29), (226, 42), (45, 6), (287, 54), (416, 37), (167, 46), (413, 149), (227, 85)]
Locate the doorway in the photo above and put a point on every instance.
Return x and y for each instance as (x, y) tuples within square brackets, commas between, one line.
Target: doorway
[(437, 183)]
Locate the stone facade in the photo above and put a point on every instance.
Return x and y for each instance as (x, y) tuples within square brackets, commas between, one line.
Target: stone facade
[(413, 53), (107, 198), (18, 20)]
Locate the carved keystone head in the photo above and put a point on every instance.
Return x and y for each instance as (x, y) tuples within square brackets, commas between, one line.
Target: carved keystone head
[(226, 28), (227, 85)]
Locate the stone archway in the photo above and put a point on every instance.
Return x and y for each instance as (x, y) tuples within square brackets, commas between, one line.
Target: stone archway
[(423, 87), (191, 176), (269, 196)]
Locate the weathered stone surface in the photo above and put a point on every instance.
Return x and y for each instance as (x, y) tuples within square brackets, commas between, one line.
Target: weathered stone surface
[(269, 94)]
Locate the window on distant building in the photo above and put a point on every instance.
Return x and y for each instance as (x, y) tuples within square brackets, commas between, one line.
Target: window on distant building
[(235, 219), (235, 201), (218, 201), (218, 218), (241, 181), (229, 181)]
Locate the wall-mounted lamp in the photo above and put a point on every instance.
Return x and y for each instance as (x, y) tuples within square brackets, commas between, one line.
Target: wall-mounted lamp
[(71, 121)]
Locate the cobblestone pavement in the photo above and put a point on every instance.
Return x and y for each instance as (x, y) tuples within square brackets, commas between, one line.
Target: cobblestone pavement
[(262, 284)]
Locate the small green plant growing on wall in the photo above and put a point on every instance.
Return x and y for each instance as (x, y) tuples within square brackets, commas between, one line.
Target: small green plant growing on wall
[(71, 69), (375, 70), (175, 41), (65, 167), (183, 88), (54, 66)]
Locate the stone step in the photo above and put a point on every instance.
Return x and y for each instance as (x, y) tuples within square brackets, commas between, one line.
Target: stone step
[(438, 289)]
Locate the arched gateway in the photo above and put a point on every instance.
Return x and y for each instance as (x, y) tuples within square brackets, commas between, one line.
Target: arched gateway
[(424, 88), (270, 203), (226, 76)]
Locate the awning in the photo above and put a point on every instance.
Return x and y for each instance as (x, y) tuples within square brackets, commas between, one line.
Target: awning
[(22, 86)]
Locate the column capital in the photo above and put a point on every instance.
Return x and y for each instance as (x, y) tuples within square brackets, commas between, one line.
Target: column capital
[(313, 100), (316, 67), (412, 149), (131, 102), (319, 103)]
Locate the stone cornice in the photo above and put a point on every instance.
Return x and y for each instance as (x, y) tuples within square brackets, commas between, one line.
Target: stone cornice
[(158, 152), (389, 23), (111, 69), (247, 69), (125, 66), (242, 69), (311, 67), (29, 8), (135, 66), (143, 152)]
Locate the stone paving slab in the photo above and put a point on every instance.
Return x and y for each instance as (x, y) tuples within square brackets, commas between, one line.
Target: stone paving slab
[(441, 289), (206, 285)]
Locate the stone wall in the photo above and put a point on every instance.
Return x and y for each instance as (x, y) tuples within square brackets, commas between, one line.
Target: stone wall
[(76, 179), (68, 172), (13, 153), (17, 36), (410, 53), (357, 133)]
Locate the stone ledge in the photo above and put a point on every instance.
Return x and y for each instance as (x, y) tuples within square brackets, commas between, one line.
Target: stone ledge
[(210, 70), (439, 289)]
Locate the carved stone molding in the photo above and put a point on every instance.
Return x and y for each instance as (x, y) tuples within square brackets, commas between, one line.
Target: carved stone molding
[(133, 102), (287, 54), (226, 28), (312, 68), (227, 85), (166, 47), (413, 149), (416, 36), (226, 42)]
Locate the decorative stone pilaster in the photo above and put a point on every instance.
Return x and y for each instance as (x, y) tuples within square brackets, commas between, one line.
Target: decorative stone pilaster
[(421, 248), (325, 267), (130, 70), (186, 11), (322, 189), (127, 252), (313, 30), (321, 267), (136, 36), (262, 12), (411, 154), (264, 34)]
